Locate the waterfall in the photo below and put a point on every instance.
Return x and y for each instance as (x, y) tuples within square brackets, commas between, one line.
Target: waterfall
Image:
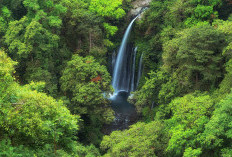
[(133, 71), (121, 74), (125, 79), (113, 60), (140, 69)]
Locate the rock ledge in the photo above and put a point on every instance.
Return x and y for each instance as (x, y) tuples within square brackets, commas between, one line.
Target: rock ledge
[(138, 5)]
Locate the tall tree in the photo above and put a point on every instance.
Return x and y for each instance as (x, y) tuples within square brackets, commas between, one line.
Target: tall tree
[(194, 57), (84, 81)]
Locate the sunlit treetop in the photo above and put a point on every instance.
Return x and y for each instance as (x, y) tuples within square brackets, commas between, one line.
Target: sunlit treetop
[(107, 8)]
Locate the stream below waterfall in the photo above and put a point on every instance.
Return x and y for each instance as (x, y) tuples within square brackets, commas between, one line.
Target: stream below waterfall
[(125, 113)]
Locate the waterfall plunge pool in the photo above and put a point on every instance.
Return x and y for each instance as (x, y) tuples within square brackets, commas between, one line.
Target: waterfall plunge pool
[(125, 113)]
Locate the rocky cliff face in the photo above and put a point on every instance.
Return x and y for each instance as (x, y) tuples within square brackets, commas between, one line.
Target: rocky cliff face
[(138, 5)]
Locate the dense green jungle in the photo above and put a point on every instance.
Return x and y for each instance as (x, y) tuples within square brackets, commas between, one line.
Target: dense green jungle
[(54, 69)]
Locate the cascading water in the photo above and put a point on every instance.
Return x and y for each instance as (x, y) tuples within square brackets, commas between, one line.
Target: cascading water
[(140, 69), (124, 81), (133, 71), (121, 73)]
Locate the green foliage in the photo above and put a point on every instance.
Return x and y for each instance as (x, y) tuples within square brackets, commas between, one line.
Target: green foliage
[(5, 16), (218, 132), (23, 35), (38, 74), (6, 12), (104, 8), (85, 151), (109, 10), (177, 12), (84, 80), (169, 91), (198, 56), (38, 86), (31, 41), (225, 27), (6, 64), (140, 140), (192, 152), (185, 42), (31, 118), (111, 30), (100, 53), (51, 123), (203, 11), (7, 84), (189, 116), (149, 92), (193, 61), (41, 36), (226, 84), (7, 150)]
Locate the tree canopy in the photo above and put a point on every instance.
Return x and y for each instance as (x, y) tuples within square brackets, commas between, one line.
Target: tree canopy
[(55, 78)]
